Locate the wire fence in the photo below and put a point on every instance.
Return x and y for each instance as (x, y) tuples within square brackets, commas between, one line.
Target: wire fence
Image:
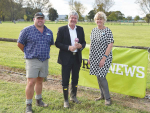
[(107, 23), (90, 23)]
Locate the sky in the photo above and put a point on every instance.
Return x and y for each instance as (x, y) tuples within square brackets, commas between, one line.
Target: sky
[(127, 7)]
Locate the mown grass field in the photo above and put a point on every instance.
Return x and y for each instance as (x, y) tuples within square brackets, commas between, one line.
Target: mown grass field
[(124, 35), (12, 95), (12, 100)]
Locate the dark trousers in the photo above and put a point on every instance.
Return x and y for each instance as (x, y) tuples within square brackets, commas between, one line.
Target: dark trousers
[(74, 67)]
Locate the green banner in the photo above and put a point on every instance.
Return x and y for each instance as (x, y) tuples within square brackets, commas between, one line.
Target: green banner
[(127, 73)]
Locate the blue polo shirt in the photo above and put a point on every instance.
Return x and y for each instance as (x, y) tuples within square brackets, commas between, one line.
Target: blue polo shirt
[(36, 44)]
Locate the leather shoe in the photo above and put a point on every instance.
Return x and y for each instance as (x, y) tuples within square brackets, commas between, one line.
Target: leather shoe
[(29, 108), (100, 98), (108, 102), (40, 103), (75, 100), (66, 104)]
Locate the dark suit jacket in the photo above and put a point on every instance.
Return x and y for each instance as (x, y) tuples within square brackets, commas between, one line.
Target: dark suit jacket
[(63, 41)]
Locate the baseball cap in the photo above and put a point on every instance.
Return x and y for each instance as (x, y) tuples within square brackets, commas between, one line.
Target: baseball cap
[(39, 14)]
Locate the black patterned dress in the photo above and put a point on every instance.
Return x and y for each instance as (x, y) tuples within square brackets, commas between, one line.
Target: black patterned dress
[(99, 43)]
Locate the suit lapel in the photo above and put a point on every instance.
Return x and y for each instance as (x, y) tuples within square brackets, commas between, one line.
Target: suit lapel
[(78, 31), (67, 34)]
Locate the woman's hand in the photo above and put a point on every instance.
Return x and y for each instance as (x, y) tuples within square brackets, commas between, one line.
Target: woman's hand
[(102, 62), (89, 61)]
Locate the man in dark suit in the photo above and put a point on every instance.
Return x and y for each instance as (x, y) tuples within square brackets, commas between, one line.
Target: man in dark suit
[(70, 40)]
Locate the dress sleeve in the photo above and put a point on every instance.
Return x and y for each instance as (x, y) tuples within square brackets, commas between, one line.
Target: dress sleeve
[(110, 37), (91, 36)]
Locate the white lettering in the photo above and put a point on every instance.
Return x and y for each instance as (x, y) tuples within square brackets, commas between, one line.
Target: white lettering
[(138, 70), (122, 69), (118, 69), (127, 71), (112, 68)]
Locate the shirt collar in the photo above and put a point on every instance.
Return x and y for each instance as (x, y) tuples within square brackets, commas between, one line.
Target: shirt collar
[(74, 27), (45, 29)]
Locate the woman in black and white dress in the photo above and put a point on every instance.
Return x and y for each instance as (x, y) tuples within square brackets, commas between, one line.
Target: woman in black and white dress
[(101, 54)]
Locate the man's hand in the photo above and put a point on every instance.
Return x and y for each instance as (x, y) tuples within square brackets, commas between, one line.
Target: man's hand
[(78, 45), (21, 46), (72, 48)]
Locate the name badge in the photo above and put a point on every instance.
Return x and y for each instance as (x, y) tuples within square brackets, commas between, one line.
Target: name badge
[(48, 34)]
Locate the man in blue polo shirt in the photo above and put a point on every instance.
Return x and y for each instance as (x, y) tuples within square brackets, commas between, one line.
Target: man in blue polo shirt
[(35, 42)]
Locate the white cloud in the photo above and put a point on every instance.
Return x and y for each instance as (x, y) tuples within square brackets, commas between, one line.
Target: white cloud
[(127, 7), (61, 6)]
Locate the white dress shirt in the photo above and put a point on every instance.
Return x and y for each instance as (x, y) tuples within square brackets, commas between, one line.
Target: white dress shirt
[(73, 35)]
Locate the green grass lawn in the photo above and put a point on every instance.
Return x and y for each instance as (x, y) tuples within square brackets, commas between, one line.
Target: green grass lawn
[(12, 100), (12, 95), (11, 56), (124, 35)]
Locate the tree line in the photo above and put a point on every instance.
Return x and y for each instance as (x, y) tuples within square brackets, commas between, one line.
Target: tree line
[(105, 5), (25, 9)]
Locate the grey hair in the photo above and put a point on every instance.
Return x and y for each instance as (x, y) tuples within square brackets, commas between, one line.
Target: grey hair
[(74, 13), (99, 15)]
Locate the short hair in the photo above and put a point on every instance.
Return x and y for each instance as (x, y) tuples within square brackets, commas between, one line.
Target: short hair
[(99, 15), (73, 13)]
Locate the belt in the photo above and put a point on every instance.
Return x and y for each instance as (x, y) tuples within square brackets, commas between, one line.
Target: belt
[(74, 53)]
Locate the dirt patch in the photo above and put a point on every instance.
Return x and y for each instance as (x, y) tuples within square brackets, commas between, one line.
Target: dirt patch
[(54, 83)]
